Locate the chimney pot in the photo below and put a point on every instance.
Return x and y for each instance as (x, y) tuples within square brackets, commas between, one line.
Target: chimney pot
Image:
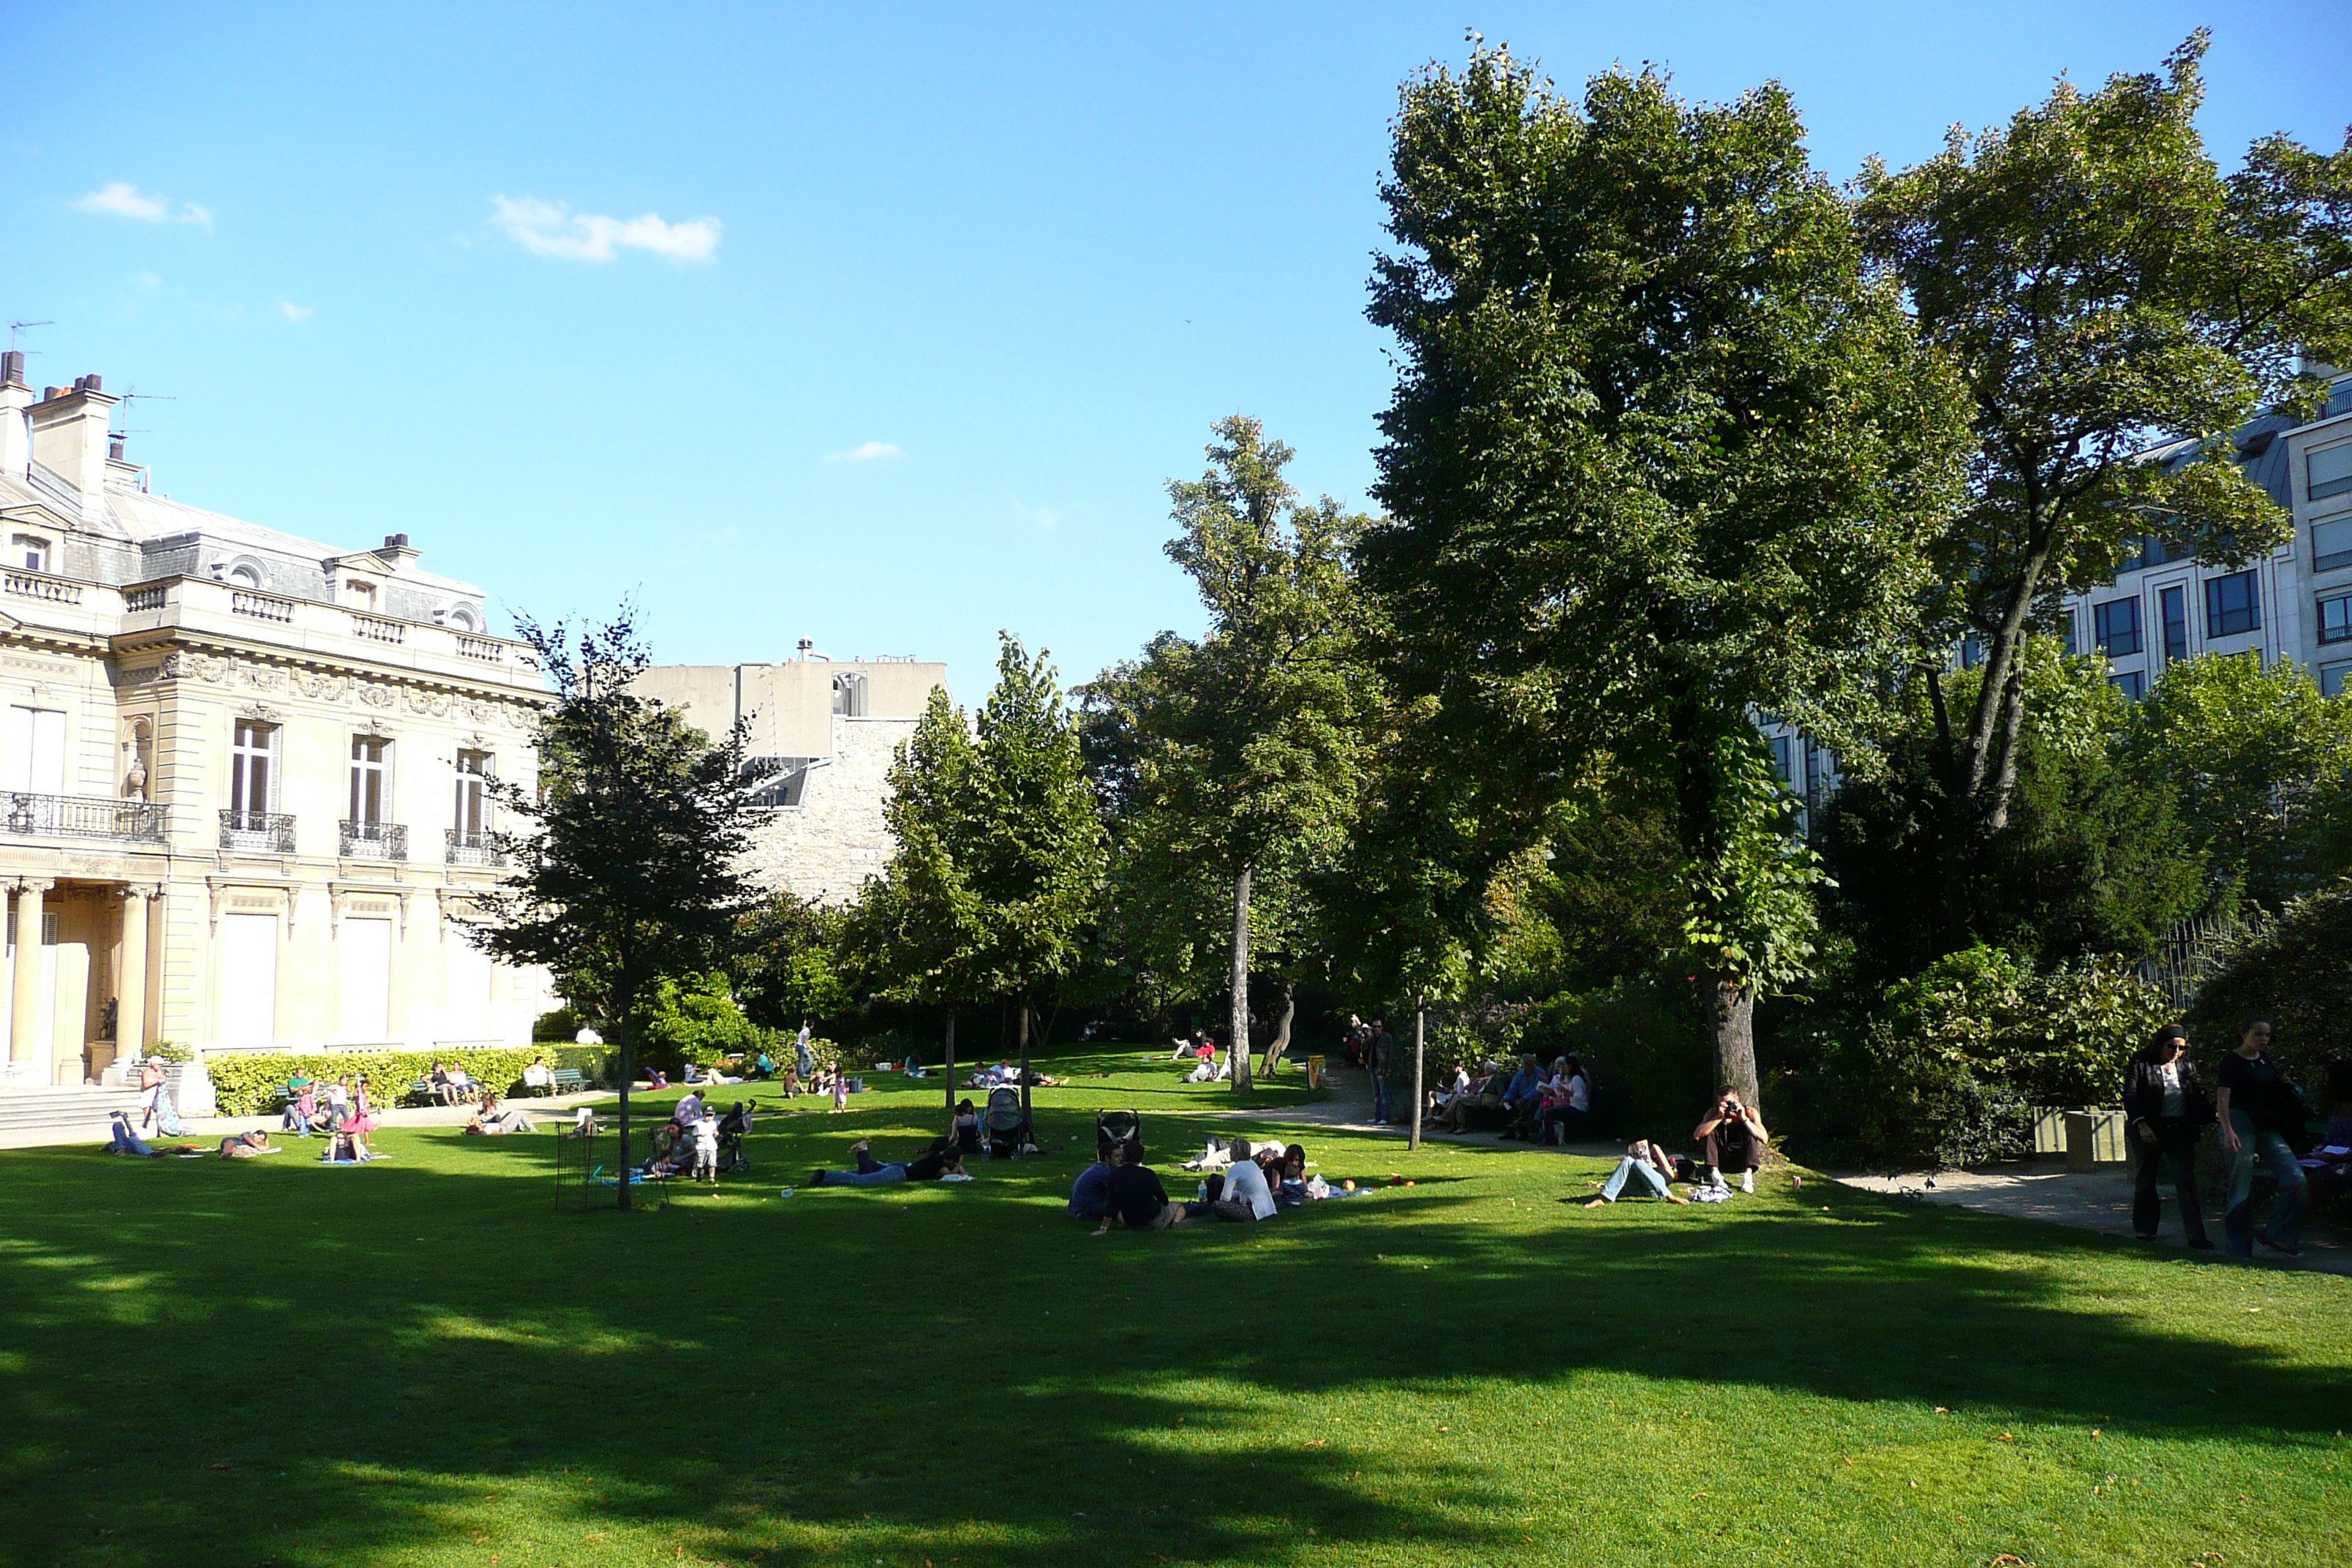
[(12, 368), (114, 450), (51, 394), (89, 383), (395, 542)]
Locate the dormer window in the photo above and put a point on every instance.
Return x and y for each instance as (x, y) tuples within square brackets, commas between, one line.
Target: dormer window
[(462, 619), (359, 594), (29, 550), (244, 577)]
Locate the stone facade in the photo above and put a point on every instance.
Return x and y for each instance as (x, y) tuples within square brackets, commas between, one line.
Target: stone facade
[(830, 730), (240, 798)]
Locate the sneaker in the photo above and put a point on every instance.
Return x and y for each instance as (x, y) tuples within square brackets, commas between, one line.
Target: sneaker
[(1746, 1181)]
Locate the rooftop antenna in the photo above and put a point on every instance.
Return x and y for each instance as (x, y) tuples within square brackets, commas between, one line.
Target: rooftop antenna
[(16, 327), (129, 393)]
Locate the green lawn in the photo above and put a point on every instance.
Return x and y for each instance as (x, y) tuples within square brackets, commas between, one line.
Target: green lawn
[(418, 1363)]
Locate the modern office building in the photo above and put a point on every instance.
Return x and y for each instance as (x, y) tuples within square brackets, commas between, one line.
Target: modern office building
[(823, 731), (242, 775)]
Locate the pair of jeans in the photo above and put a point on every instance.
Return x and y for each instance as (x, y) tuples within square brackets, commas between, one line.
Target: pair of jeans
[(1630, 1169), (1380, 1097), (1567, 1117), (2175, 1141), (2286, 1210), (126, 1142), (881, 1175)]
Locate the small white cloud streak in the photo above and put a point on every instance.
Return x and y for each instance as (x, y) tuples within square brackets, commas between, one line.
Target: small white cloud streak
[(550, 228), (124, 199), (297, 315), (865, 452)]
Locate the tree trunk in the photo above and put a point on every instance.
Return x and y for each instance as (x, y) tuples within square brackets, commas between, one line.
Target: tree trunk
[(1280, 1044), (1027, 1134), (628, 1071), (1731, 1023), (947, 1071), (1419, 1038), (1237, 1051)]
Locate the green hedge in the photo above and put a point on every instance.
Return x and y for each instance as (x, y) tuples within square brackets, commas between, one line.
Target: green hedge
[(248, 1085)]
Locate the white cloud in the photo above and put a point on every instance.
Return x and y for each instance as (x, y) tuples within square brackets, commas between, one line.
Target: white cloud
[(550, 228), (124, 199), (865, 452), (297, 315)]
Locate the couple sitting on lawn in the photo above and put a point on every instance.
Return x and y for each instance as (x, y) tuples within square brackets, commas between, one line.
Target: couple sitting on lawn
[(1731, 1136)]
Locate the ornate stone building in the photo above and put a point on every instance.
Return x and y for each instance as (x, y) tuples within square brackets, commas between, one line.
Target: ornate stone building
[(242, 774), (829, 729)]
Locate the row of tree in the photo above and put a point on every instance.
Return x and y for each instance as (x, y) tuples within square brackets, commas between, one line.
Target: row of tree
[(1685, 437)]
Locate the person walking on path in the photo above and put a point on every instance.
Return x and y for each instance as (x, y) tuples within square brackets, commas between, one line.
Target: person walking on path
[(2166, 1111), (2261, 1118), (1386, 1064)]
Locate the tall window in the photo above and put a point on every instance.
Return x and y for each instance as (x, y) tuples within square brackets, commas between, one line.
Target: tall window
[(2335, 619), (370, 778), (2117, 624), (35, 759), (2328, 471), (473, 772), (2331, 544), (253, 768), (2232, 604), (359, 595), (2172, 610)]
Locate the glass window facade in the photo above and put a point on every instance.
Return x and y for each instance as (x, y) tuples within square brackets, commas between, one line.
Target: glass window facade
[(2233, 605), (2116, 625)]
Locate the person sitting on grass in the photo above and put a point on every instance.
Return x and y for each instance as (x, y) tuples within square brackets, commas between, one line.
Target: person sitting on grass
[(492, 1116), (1246, 1196), (1090, 1194), (1653, 1169), (941, 1160), (247, 1145), (1290, 1178), (1137, 1201), (1732, 1138)]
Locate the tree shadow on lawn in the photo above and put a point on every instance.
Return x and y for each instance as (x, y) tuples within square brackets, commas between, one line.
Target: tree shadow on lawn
[(217, 1362)]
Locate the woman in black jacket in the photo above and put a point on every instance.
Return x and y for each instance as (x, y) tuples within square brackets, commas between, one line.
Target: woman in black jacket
[(2166, 1112)]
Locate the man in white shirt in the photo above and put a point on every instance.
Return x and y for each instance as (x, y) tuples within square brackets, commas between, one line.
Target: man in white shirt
[(1246, 1197), (690, 1111)]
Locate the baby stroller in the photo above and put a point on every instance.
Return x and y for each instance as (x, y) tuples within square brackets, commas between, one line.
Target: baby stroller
[(1001, 1123), (732, 1159), (1118, 1129)]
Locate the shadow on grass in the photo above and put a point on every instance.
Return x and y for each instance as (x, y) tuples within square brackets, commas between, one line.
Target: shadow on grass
[(210, 1362)]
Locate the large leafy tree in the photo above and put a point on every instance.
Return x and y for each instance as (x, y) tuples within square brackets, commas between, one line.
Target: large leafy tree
[(2263, 766), (1240, 750), (1660, 459), (625, 856), (2100, 285)]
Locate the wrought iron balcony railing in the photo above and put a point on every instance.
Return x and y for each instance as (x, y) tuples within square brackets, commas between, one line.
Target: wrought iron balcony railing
[(270, 832), (375, 841), (84, 816), (475, 847)]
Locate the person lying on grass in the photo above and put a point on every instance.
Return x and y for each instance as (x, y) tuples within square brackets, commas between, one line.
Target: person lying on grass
[(1650, 1167), (247, 1145), (126, 1142), (940, 1161), (1137, 1201), (492, 1116)]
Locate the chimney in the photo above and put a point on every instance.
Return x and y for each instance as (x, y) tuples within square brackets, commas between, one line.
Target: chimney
[(69, 436), (397, 551), (15, 435)]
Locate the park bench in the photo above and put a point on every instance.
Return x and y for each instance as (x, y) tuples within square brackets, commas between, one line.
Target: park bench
[(567, 1080)]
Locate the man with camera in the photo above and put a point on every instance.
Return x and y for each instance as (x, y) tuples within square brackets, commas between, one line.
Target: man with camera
[(1732, 1138)]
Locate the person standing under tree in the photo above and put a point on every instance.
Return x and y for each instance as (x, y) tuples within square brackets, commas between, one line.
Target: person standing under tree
[(2167, 1111), (803, 1058), (1386, 1064), (2262, 1117)]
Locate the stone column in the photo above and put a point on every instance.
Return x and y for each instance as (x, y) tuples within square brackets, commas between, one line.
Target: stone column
[(130, 990), (25, 1005)]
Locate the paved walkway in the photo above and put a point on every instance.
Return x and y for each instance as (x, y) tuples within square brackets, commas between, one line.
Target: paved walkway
[(212, 1128)]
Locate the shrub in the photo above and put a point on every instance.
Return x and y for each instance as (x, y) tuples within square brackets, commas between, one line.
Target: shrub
[(693, 1017), (2296, 972), (1955, 1053), (247, 1084), (561, 1027)]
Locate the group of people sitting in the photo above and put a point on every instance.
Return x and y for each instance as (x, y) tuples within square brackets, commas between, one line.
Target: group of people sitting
[(697, 1142), (1730, 1137), (1532, 1104), (1261, 1179), (343, 1111), (1004, 1075), (491, 1117), (453, 1085), (1200, 1048)]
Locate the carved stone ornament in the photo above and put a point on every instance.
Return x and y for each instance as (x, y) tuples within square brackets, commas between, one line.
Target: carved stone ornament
[(261, 710)]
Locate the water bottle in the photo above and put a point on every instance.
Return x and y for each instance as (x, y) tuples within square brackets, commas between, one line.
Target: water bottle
[(1201, 1195)]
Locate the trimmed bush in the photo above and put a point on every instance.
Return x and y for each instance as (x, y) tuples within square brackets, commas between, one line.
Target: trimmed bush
[(248, 1085)]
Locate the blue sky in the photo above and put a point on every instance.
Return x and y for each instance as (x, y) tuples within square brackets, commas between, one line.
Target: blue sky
[(930, 303)]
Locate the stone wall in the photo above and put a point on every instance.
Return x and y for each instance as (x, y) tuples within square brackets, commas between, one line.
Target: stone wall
[(835, 841)]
